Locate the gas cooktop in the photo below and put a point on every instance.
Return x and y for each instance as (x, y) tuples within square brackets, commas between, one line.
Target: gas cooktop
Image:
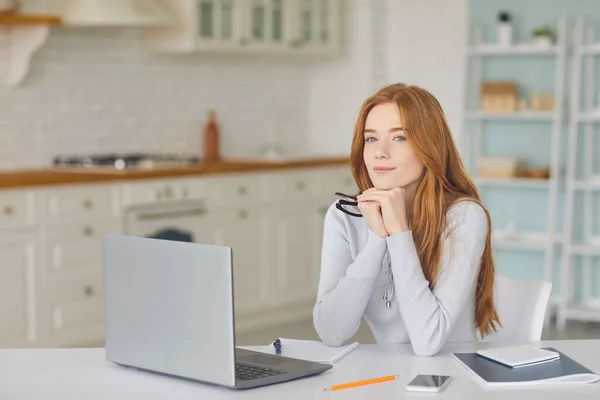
[(124, 161)]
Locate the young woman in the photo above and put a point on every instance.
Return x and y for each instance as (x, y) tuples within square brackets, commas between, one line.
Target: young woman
[(414, 257)]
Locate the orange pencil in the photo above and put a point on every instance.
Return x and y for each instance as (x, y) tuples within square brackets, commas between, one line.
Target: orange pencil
[(363, 383)]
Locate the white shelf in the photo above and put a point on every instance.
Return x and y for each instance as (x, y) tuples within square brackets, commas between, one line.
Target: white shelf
[(590, 249), (592, 184), (593, 116), (591, 49), (583, 313), (530, 183), (511, 115), (525, 49), (523, 241)]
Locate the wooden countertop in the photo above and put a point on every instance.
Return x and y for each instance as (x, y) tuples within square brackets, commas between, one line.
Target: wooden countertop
[(71, 176)]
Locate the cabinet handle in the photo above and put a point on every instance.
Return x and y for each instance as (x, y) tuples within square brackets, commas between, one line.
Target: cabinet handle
[(244, 41), (88, 291), (168, 192), (8, 210), (300, 185), (88, 204), (243, 214), (242, 190), (88, 231), (184, 193)]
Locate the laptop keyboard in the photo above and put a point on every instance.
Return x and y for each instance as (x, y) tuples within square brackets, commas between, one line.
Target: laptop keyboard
[(245, 372)]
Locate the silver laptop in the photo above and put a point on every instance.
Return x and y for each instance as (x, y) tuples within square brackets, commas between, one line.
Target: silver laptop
[(169, 310)]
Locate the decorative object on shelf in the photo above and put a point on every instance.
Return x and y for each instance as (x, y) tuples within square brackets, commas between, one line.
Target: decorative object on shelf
[(537, 173), (548, 102), (536, 101), (211, 139), (505, 29), (499, 167), (8, 6), (543, 36), (522, 104), (499, 96)]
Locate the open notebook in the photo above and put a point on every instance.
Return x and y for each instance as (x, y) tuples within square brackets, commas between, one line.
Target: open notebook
[(310, 350), (561, 370)]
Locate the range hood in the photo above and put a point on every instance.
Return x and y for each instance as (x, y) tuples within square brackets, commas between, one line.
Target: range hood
[(112, 13)]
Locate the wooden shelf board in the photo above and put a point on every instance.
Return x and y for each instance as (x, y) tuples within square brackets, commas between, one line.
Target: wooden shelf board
[(30, 19)]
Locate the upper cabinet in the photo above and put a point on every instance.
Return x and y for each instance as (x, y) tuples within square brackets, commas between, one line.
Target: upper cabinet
[(276, 26)]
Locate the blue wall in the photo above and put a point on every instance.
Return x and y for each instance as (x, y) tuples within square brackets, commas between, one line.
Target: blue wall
[(528, 139)]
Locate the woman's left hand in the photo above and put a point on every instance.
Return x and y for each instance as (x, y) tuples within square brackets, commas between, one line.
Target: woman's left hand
[(393, 207)]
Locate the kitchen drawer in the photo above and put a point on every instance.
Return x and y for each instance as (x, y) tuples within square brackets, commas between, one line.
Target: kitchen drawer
[(163, 191), (82, 202), (76, 301), (291, 186), (78, 245), (81, 285), (17, 209), (234, 190)]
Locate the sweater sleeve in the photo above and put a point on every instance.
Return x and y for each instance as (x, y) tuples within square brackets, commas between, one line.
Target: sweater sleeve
[(345, 285), (429, 315)]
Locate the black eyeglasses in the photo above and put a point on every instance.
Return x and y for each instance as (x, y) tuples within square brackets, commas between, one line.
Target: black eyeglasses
[(347, 204)]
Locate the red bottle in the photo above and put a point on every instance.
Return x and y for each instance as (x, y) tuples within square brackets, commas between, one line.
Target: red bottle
[(211, 139)]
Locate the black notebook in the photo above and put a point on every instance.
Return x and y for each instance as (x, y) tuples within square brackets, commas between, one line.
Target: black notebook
[(490, 373)]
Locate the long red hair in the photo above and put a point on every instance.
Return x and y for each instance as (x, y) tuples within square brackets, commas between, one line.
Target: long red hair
[(443, 183)]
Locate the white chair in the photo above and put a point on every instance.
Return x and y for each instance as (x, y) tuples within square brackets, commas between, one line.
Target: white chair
[(521, 308)]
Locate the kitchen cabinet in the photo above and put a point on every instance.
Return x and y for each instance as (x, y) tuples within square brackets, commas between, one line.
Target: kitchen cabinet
[(51, 290), (315, 25), (249, 26), (18, 290), (243, 230)]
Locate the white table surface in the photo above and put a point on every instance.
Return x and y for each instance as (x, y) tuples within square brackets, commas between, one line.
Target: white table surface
[(85, 374)]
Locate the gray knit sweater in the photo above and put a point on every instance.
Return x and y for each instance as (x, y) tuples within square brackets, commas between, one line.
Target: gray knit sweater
[(357, 268)]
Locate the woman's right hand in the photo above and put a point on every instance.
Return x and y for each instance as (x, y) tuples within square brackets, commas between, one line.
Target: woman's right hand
[(371, 211)]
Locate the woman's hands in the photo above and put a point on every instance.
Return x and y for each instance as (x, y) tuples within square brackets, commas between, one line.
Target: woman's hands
[(384, 210), (371, 211)]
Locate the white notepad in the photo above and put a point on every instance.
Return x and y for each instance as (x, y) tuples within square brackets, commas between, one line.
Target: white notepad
[(309, 350), (519, 356)]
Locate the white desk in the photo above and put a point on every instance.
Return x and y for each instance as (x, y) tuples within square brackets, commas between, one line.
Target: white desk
[(85, 374)]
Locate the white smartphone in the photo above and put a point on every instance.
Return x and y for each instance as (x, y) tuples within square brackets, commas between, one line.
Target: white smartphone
[(429, 383)]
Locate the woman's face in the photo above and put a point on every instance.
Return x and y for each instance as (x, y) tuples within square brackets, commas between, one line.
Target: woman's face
[(388, 156)]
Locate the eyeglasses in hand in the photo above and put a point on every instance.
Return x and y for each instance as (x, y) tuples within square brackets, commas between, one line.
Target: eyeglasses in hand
[(348, 204)]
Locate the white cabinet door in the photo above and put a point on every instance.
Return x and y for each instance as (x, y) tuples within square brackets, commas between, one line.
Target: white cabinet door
[(18, 291), (292, 247), (266, 24), (243, 230), (218, 23), (74, 309), (315, 25)]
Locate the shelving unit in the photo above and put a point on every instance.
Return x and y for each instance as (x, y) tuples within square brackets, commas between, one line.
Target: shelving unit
[(584, 116), (547, 242), (27, 33)]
